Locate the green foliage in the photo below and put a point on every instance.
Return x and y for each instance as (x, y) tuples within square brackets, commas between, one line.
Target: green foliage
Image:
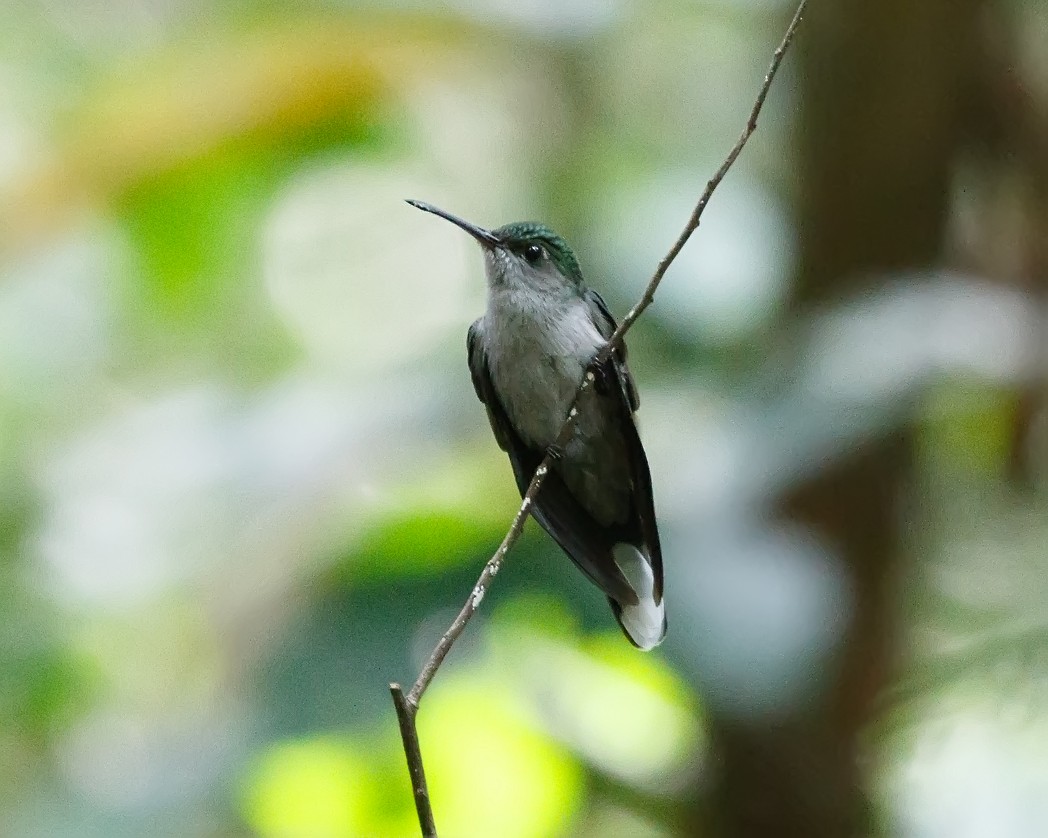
[(436, 520), (44, 687), (193, 228), (424, 543), (967, 427), (493, 772), (318, 787), (198, 629)]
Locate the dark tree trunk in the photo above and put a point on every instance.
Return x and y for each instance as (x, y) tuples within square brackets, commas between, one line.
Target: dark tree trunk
[(884, 89)]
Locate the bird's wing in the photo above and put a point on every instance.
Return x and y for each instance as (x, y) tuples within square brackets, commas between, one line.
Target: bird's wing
[(478, 370), (606, 326), (616, 371), (558, 512)]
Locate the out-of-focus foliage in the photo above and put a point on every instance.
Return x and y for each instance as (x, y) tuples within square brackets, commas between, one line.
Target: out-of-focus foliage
[(245, 482)]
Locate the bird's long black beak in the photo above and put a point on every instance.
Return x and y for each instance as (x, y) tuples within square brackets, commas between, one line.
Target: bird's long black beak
[(485, 237)]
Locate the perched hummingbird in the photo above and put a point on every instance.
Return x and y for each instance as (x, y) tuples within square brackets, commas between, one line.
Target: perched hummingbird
[(527, 356)]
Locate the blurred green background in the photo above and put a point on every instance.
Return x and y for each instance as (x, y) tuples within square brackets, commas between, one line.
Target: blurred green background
[(245, 482)]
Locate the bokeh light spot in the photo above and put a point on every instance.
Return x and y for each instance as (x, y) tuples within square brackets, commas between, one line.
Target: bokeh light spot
[(311, 788), (491, 772)]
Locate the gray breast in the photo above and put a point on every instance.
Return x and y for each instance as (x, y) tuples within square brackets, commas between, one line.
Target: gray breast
[(537, 356), (537, 359)]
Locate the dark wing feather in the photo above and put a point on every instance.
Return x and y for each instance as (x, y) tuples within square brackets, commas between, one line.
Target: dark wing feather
[(606, 326), (643, 517), (556, 509), (478, 370)]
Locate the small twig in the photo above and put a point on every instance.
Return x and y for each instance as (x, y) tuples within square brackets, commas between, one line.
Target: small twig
[(413, 752), (407, 707)]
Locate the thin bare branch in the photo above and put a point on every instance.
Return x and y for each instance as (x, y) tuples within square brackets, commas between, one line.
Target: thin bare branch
[(408, 707), (413, 752), (489, 572)]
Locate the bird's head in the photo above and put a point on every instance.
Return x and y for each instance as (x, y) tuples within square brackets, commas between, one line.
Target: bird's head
[(525, 255)]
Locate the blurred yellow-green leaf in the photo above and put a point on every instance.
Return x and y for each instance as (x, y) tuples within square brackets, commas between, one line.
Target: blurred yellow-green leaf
[(493, 772), (318, 788)]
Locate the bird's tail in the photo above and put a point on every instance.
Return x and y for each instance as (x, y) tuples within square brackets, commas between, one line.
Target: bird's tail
[(644, 622)]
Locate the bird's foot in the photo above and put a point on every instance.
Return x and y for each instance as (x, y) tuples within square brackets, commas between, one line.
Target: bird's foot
[(555, 452)]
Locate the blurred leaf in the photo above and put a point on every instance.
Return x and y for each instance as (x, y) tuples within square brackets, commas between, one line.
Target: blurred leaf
[(43, 689), (967, 426), (191, 227), (423, 543), (532, 616), (320, 788), (491, 772), (585, 689), (457, 510), (299, 86)]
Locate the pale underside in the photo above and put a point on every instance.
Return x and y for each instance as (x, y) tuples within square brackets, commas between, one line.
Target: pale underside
[(536, 368)]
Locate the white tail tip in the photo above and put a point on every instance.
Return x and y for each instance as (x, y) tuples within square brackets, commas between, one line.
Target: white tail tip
[(645, 622)]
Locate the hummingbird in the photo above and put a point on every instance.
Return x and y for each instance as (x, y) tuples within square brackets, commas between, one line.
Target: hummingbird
[(527, 356)]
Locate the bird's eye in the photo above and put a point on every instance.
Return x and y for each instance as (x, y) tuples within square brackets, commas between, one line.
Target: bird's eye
[(532, 253)]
